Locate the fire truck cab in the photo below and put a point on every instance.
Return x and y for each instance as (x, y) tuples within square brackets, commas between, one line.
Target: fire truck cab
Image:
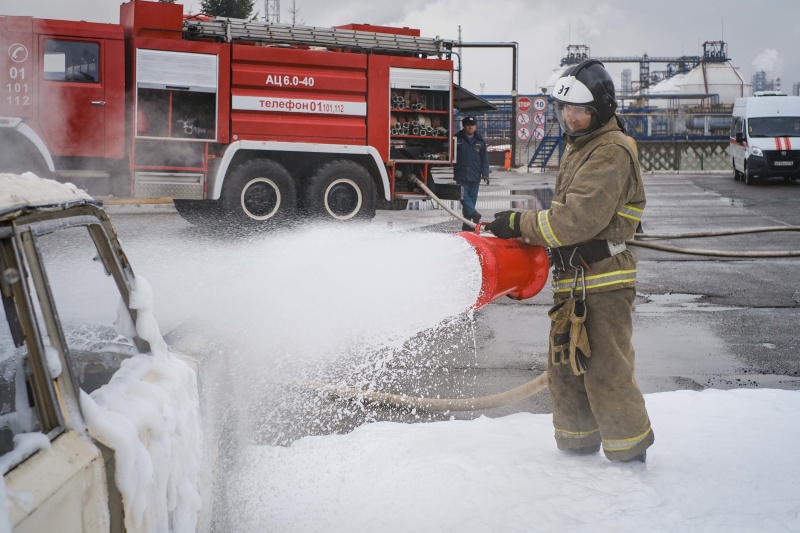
[(236, 120)]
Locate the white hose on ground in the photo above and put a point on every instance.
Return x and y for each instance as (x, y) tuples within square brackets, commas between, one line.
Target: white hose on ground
[(666, 247), (714, 253), (441, 404), (716, 233)]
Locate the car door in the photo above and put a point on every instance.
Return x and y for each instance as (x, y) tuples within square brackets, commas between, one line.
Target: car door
[(56, 338)]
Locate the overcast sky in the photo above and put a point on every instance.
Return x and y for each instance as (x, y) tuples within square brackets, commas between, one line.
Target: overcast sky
[(762, 35)]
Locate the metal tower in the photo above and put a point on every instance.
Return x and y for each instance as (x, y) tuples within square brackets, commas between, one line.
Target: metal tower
[(713, 52), (272, 11), (626, 85)]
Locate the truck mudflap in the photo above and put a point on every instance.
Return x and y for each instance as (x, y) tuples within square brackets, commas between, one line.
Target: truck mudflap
[(216, 180)]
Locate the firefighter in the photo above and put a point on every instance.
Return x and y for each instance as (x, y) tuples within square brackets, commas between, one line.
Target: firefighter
[(472, 165), (598, 203)]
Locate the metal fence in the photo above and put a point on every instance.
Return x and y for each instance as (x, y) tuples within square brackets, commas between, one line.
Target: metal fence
[(679, 139), (494, 127), (685, 156)]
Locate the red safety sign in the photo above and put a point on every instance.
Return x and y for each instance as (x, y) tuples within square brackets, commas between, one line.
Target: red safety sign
[(538, 119), (540, 104), (524, 103), (523, 119), (524, 133), (538, 133)]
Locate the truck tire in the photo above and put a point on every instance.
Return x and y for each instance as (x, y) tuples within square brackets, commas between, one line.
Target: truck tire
[(259, 192), (199, 212), (341, 190)]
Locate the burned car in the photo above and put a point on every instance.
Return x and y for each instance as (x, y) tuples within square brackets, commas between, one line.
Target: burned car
[(100, 422)]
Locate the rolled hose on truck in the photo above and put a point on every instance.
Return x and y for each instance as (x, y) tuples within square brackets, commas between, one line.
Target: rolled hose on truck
[(540, 382)]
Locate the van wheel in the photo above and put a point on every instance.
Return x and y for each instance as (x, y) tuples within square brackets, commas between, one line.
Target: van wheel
[(748, 176), (736, 174), (341, 190), (259, 192)]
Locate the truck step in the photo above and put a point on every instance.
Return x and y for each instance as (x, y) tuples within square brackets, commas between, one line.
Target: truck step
[(80, 174)]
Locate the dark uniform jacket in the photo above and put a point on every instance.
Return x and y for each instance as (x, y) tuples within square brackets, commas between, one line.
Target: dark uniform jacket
[(472, 160), (599, 194)]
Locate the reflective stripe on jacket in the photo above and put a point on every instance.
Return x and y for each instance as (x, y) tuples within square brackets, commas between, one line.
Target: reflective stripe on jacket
[(599, 194)]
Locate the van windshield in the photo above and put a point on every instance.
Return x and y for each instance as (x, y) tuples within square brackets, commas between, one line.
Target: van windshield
[(774, 127)]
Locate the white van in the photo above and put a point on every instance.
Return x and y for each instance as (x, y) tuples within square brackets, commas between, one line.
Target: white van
[(765, 137)]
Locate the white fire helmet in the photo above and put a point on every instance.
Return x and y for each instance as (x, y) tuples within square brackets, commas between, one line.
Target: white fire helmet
[(584, 98)]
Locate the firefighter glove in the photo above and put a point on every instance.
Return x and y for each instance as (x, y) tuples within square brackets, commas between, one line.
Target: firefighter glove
[(579, 349), (506, 224), (559, 331), (569, 342)]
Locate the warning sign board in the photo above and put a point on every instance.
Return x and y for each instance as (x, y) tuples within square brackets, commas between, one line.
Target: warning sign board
[(539, 104), (524, 133), (524, 103), (523, 119), (538, 133), (538, 119)]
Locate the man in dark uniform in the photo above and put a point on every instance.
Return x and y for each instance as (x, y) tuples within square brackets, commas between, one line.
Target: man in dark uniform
[(598, 202), (472, 165)]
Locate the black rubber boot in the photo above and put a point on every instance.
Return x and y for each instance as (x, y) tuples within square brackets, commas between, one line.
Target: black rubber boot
[(641, 458)]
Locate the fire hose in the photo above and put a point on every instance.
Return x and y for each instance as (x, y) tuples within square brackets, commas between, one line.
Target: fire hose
[(540, 382), (714, 253)]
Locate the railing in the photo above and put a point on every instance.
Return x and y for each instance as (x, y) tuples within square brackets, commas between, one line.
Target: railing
[(678, 139)]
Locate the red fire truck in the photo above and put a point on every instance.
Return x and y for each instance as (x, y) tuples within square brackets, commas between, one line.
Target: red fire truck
[(236, 120)]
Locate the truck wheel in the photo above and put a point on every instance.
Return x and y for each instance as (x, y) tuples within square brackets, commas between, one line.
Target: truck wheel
[(259, 192), (342, 190), (198, 212)]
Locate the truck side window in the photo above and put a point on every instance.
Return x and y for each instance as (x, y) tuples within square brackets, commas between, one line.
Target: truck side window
[(75, 61)]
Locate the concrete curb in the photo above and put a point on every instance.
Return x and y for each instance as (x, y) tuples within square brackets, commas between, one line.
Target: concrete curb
[(128, 206)]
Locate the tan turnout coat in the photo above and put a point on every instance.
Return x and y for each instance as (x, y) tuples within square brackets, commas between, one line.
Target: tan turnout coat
[(599, 194)]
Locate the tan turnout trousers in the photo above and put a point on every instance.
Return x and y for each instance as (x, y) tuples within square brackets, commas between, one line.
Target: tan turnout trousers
[(604, 405)]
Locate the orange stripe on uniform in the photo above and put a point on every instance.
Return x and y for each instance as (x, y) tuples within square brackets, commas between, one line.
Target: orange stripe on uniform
[(777, 143), (788, 143)]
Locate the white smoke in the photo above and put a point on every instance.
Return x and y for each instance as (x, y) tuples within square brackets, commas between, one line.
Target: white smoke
[(769, 61)]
